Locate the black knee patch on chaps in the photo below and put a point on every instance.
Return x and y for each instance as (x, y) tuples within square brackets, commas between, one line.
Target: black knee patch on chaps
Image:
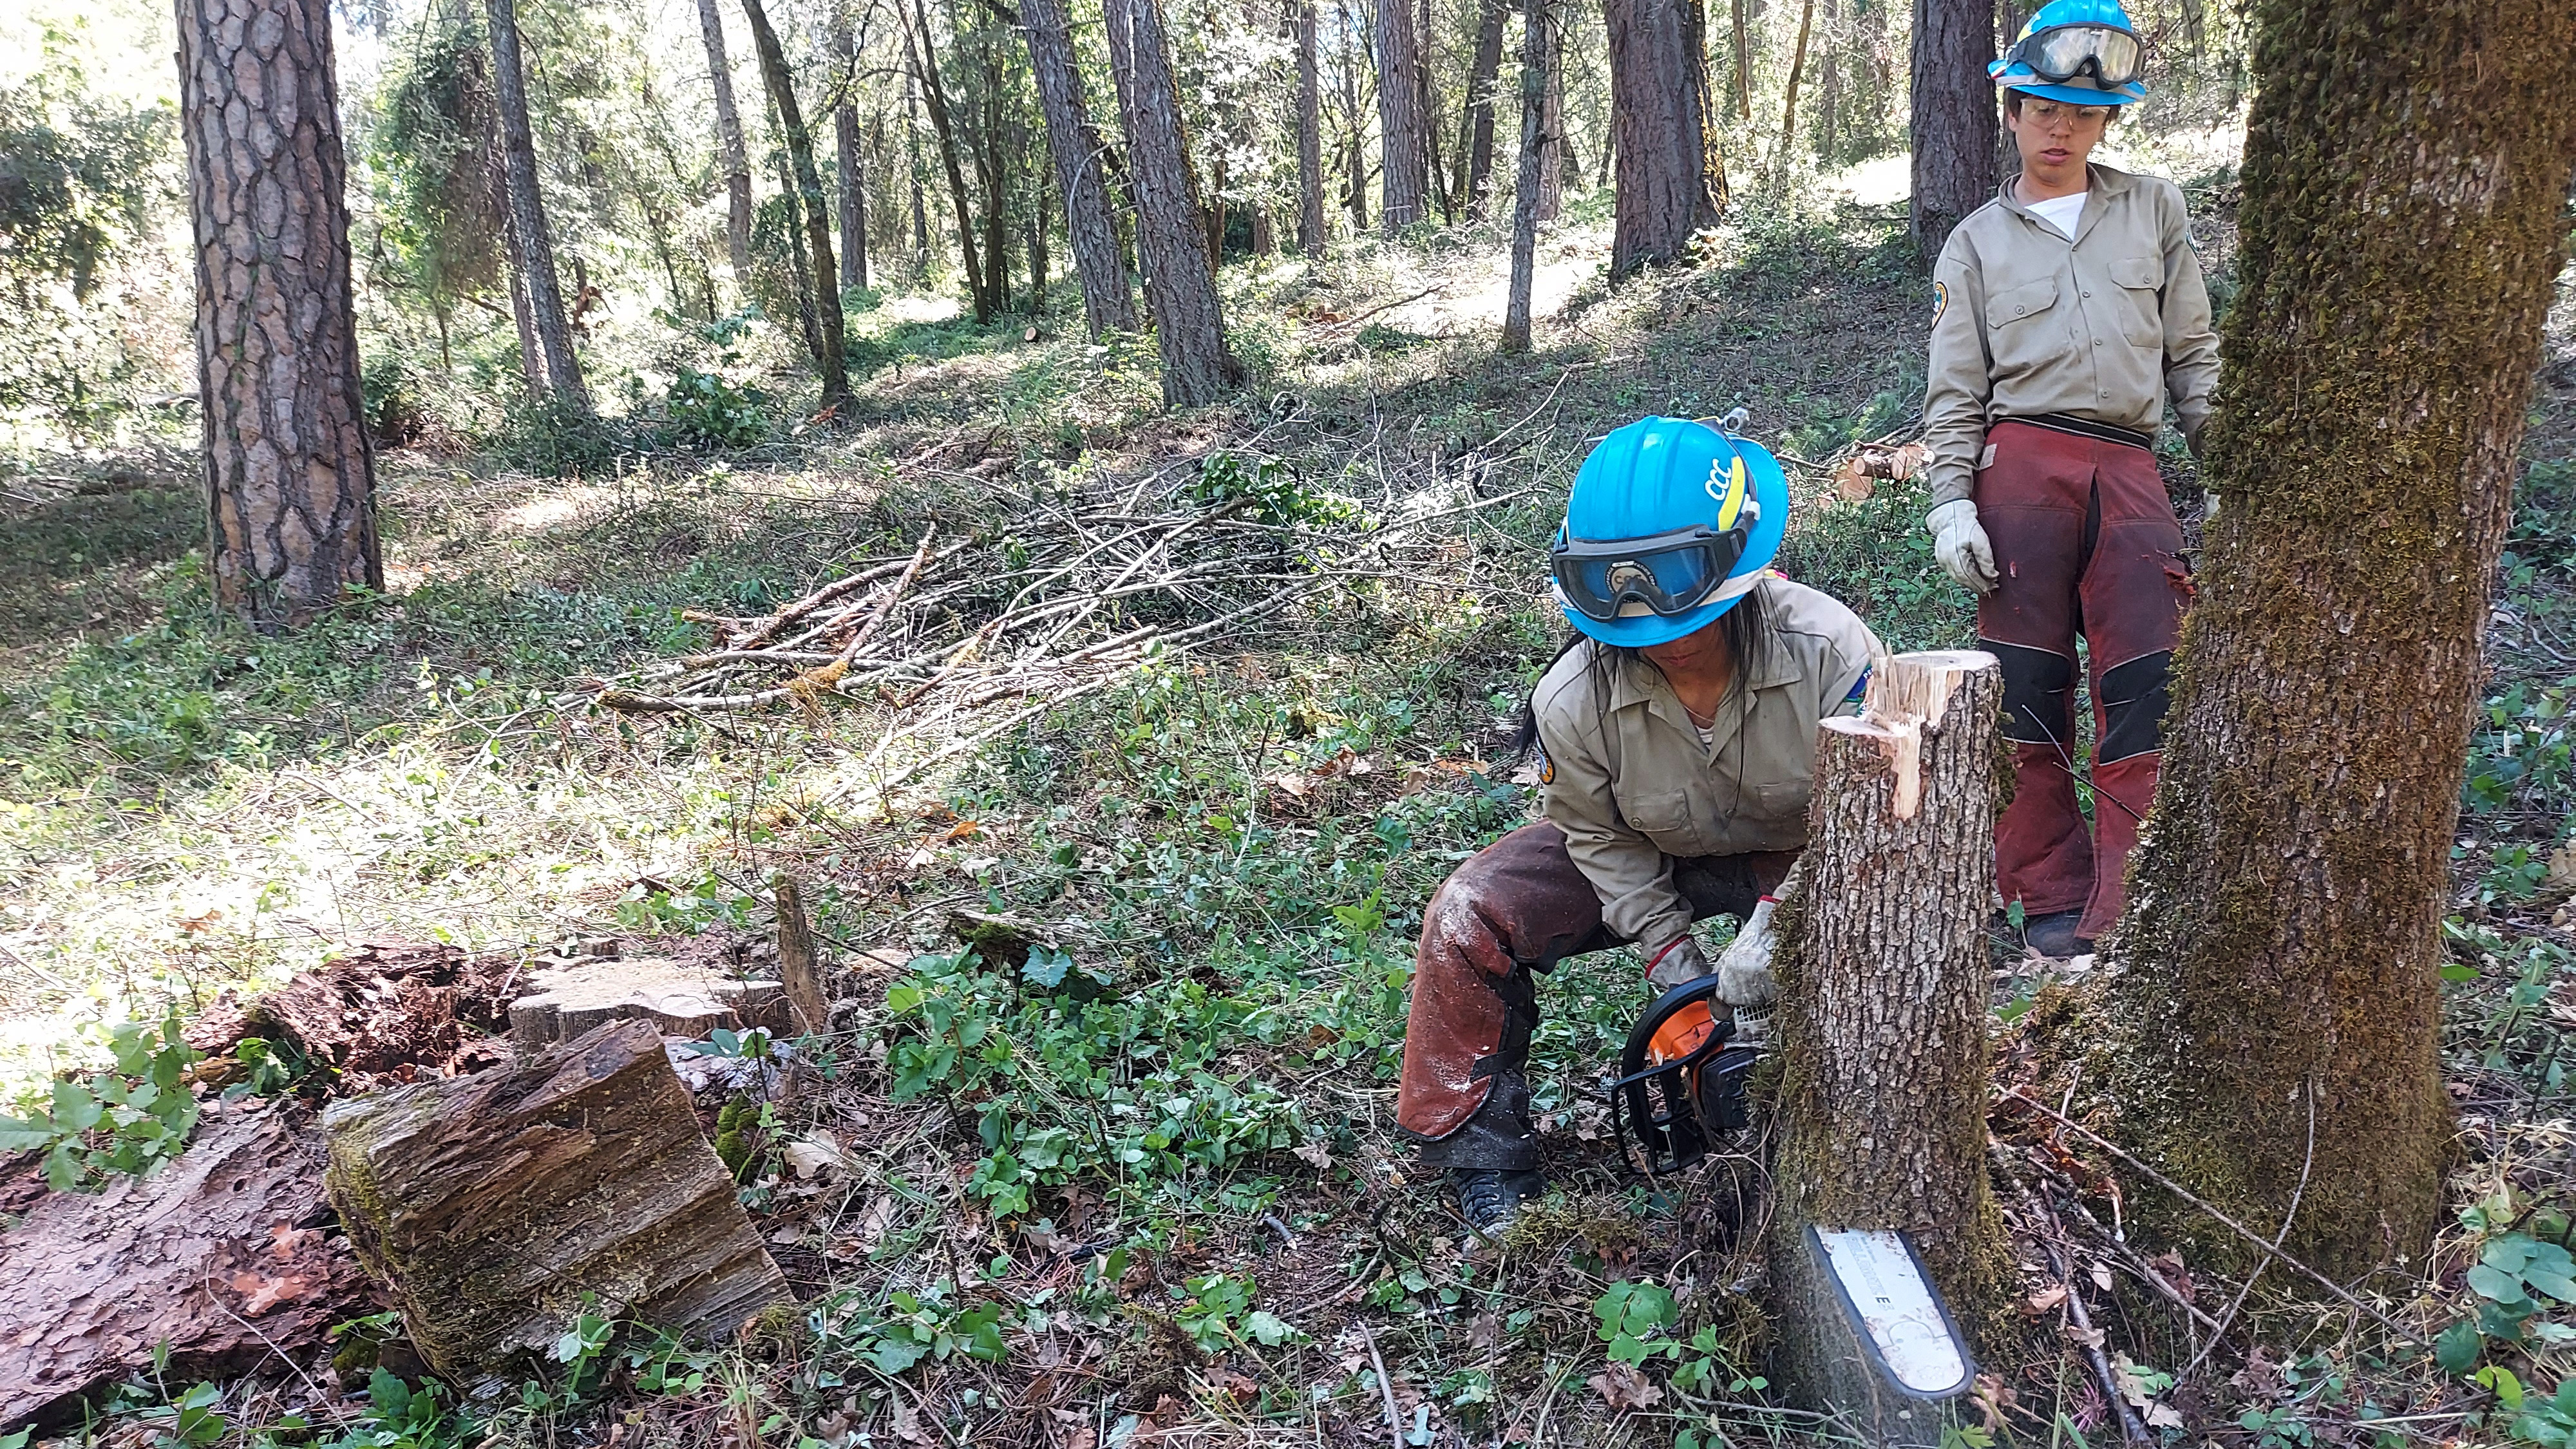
[(2134, 699), (2038, 685)]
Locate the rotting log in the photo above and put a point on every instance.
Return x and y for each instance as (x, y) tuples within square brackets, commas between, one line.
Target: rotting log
[(800, 962), (491, 1204), (1882, 1022), (215, 1256)]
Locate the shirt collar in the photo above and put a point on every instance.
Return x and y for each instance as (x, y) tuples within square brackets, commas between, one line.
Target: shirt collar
[(2099, 180), (1638, 682)]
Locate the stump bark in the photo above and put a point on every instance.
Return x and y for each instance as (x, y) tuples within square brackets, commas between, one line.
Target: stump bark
[(489, 1205), (213, 1257), (1882, 1022)]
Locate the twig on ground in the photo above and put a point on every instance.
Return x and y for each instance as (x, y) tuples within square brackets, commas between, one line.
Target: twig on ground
[(1385, 1387)]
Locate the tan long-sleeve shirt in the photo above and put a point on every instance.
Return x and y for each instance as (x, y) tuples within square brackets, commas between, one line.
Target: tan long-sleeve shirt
[(2105, 326), (1632, 786)]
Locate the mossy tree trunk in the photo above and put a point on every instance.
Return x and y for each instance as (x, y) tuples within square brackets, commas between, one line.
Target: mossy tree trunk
[(1882, 1019), (2406, 173)]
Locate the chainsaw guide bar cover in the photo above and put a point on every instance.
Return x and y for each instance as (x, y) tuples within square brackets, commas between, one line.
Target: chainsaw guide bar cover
[(1902, 1323)]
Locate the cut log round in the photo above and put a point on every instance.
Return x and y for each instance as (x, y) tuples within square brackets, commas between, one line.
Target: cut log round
[(489, 1205), (1882, 1021)]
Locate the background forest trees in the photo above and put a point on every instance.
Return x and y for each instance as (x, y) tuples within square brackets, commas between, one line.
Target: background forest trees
[(633, 176)]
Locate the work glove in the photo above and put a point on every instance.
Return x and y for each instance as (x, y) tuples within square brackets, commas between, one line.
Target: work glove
[(1961, 545), (1679, 961), (1744, 968)]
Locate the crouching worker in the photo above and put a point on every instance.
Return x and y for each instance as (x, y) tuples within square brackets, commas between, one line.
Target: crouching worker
[(1679, 731)]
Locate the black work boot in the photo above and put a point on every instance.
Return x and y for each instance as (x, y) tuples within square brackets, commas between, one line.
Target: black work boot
[(2054, 935), (1489, 1198)]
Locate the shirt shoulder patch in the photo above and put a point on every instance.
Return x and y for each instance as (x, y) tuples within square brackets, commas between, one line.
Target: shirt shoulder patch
[(1940, 301), (1860, 687)]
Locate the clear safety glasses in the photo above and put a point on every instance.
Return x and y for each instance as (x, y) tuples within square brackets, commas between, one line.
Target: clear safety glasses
[(2062, 52), (1669, 573)]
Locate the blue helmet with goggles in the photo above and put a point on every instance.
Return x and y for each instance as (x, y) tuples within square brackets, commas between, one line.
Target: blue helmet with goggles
[(1669, 524), (2078, 53)]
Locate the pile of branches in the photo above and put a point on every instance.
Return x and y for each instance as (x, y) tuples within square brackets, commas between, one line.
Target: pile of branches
[(1056, 598)]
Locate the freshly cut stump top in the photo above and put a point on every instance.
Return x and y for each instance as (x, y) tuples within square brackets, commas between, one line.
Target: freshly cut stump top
[(492, 1203), (567, 997)]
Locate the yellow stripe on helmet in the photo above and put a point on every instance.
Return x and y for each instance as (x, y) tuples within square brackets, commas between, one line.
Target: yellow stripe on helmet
[(1730, 502)]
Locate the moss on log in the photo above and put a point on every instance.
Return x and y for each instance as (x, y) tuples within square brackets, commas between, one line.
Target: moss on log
[(490, 1204)]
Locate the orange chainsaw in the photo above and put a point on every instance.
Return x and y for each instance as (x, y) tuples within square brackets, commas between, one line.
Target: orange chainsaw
[(1681, 1085)]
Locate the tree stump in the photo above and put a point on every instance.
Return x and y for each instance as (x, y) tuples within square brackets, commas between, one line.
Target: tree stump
[(567, 997), (490, 1204), (1882, 1023)]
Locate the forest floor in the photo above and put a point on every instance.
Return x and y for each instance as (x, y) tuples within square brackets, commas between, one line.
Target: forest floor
[(1160, 1165)]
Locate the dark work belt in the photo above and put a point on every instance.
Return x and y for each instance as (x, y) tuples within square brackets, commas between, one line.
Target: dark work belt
[(2087, 428)]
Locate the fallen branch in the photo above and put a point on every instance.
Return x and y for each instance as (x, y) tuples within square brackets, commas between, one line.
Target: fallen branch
[(885, 608)]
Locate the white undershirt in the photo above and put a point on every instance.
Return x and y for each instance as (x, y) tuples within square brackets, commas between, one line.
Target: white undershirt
[(2062, 212)]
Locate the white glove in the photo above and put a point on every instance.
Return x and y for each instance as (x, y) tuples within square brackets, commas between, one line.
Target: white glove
[(1961, 545), (1679, 962), (1744, 967)]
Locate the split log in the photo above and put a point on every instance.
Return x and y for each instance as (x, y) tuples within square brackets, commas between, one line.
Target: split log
[(567, 997), (489, 1205), (1882, 1024), (214, 1256)]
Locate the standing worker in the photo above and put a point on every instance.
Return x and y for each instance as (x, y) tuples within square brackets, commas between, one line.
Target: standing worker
[(1680, 730), (2065, 312)]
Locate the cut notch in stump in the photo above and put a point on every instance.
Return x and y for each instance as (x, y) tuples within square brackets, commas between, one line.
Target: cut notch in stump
[(573, 995)]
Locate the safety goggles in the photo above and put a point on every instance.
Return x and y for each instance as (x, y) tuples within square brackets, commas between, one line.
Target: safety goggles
[(2062, 52), (1670, 573)]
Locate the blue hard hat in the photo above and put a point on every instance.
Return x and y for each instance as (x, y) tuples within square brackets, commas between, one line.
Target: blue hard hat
[(2077, 52), (1666, 509)]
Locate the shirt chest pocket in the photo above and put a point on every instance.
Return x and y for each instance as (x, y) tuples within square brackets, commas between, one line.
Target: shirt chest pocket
[(2141, 282), (1675, 820), (2022, 328)]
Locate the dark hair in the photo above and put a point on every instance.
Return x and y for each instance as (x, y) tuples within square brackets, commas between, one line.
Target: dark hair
[(1746, 628)]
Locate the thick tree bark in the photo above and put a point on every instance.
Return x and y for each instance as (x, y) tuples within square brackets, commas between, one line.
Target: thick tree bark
[(737, 156), (993, 171), (1107, 303), (1744, 63), (1310, 138), (1657, 81), (492, 1204), (924, 63), (1553, 149), (1476, 124), (1954, 117), (852, 177), (828, 360), (1189, 328), (2280, 950), (1882, 1017), (290, 475), (1525, 195), (528, 211), (1404, 181)]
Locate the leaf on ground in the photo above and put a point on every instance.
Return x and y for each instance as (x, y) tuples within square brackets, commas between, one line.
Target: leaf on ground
[(262, 1294), (2045, 1300), (1314, 1153), (814, 1153), (2102, 1276), (2089, 1337), (1622, 1387), (2169, 1267), (1485, 1332)]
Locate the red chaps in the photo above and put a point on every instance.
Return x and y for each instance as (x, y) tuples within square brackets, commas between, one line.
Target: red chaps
[(2086, 542)]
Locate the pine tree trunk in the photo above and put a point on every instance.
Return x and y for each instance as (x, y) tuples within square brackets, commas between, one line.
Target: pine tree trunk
[(1033, 226), (290, 476), (532, 358), (1882, 1019), (1553, 149), (1107, 304), (912, 161), (2277, 965), (1953, 117), (1657, 79), (1789, 104), (992, 169), (737, 156), (1743, 64), (1310, 138), (812, 202), (1189, 329), (1404, 183), (1476, 126), (1428, 106), (528, 211), (852, 178), (924, 63), (1534, 54), (800, 267)]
